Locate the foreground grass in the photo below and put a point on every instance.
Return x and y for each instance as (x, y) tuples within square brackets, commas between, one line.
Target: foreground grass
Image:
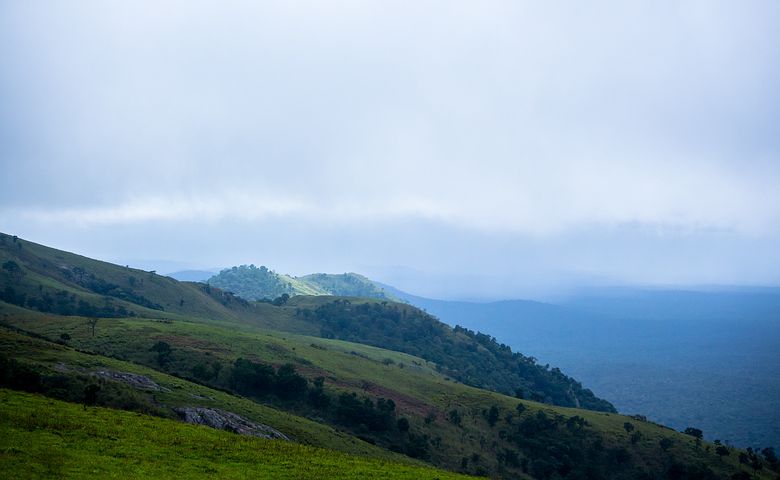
[(42, 438)]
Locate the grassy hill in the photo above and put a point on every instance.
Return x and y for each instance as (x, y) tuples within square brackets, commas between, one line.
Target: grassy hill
[(52, 281), (45, 438), (260, 283), (327, 391)]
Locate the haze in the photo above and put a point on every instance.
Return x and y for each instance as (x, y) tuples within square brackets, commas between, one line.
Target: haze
[(452, 149)]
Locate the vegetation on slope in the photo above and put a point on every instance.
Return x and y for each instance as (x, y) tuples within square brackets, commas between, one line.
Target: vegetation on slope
[(51, 281), (431, 417), (458, 427), (41, 437), (59, 371), (470, 357), (260, 283)]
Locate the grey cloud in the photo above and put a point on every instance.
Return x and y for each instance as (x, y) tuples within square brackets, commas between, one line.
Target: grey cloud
[(510, 120)]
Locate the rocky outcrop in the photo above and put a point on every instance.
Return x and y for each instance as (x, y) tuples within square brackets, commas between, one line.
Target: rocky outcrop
[(138, 381), (229, 421)]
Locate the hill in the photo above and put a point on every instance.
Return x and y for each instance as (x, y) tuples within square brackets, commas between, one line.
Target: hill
[(44, 438), (260, 283), (50, 281), (276, 357)]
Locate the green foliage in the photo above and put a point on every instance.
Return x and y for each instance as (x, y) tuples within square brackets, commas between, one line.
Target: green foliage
[(472, 358), (260, 283), (288, 385), (251, 378), (346, 285), (492, 416), (356, 412), (694, 432), (41, 438), (163, 350)]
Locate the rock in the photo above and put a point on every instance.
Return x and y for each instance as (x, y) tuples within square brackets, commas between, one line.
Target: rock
[(138, 381), (229, 421)]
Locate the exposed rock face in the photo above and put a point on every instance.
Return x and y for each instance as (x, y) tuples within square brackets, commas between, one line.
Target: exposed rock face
[(229, 421), (138, 381)]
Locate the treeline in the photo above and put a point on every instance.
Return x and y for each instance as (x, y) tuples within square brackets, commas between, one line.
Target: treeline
[(62, 302), (251, 282), (470, 357), (547, 446), (97, 285), (372, 420), (75, 387)]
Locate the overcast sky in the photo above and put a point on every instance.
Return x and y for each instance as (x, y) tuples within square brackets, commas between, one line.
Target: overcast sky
[(454, 149)]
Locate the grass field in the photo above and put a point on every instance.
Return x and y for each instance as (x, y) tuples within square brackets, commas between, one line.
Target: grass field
[(44, 438)]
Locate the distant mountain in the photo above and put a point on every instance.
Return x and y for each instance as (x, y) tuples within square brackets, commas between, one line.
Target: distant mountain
[(191, 275), (260, 283)]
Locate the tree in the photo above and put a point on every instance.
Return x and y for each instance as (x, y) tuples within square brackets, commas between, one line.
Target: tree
[(317, 396), (281, 300), (92, 322), (65, 337), (430, 418), (201, 371), (771, 457), (251, 378), (492, 416), (90, 394), (694, 432), (163, 350), (13, 268), (722, 451), (289, 385), (628, 427), (216, 367), (665, 443), (403, 425), (454, 417)]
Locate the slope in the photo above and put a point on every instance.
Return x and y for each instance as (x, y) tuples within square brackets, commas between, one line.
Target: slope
[(397, 401), (50, 281), (449, 424), (45, 438)]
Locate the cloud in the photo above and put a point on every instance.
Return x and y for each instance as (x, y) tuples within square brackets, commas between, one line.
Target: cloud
[(494, 118)]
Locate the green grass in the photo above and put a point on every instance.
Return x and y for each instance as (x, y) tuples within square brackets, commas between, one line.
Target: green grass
[(57, 359), (205, 329), (44, 438), (417, 388)]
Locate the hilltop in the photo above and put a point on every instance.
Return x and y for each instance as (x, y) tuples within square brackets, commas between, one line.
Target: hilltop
[(260, 283)]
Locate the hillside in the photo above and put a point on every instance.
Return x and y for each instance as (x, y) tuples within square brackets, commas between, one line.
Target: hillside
[(260, 283), (51, 281), (276, 357), (44, 438), (637, 347)]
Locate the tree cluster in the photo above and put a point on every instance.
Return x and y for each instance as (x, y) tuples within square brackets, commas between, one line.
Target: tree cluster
[(472, 358)]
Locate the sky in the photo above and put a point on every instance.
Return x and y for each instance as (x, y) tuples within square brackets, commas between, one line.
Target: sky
[(492, 149)]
